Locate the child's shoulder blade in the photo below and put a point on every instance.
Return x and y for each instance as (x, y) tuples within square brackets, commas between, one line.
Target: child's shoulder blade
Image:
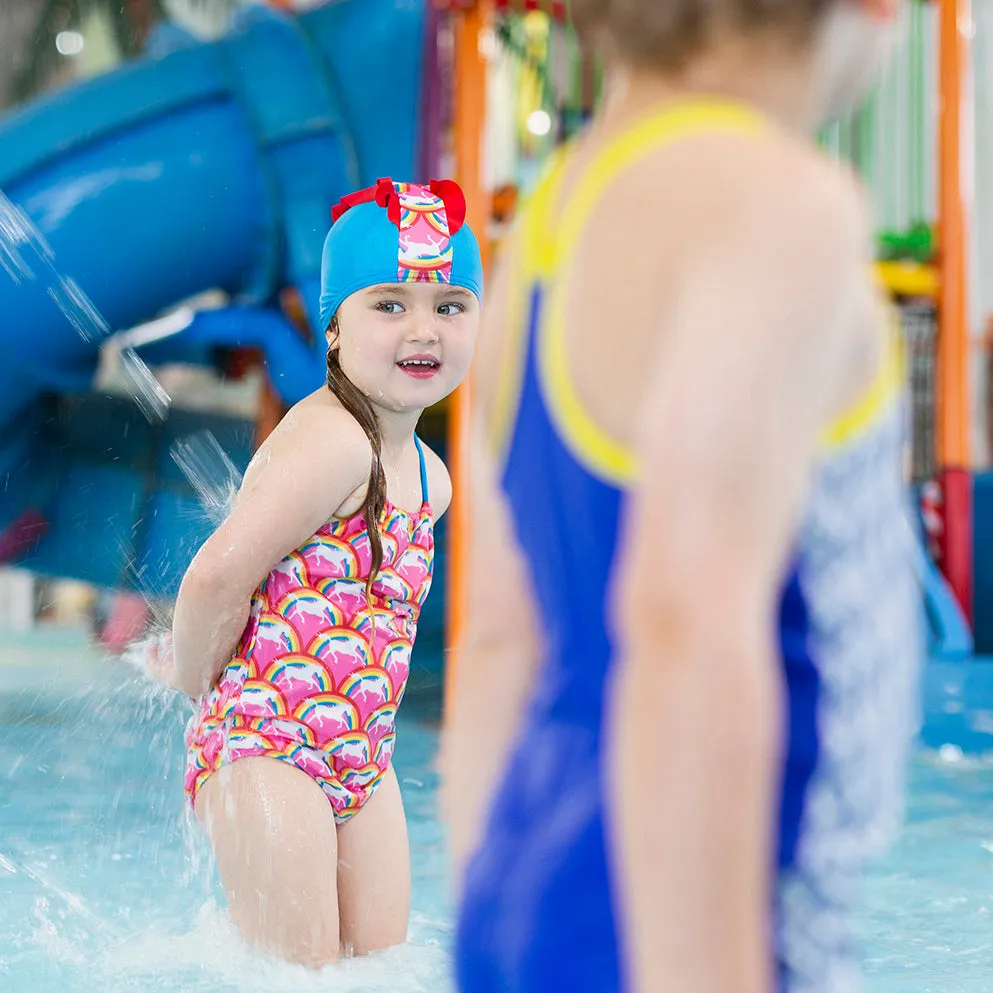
[(318, 441)]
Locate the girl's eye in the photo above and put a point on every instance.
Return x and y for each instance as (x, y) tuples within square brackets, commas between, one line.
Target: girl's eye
[(390, 306), (451, 309)]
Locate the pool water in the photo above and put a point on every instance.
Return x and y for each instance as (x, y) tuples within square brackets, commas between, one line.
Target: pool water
[(107, 886), (928, 919)]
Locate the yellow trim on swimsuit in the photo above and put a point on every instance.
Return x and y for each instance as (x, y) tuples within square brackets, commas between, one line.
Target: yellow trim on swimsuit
[(877, 398), (593, 447), (603, 455), (665, 127), (546, 248)]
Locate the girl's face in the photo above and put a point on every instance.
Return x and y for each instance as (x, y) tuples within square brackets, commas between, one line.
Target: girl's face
[(407, 345)]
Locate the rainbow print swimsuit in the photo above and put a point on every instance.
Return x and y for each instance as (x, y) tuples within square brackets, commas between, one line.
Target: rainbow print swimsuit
[(538, 910), (313, 681)]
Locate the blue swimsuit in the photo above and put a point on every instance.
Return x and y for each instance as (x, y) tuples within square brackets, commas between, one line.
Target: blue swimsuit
[(538, 913)]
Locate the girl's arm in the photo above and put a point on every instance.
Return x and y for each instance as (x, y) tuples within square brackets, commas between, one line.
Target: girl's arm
[(305, 470), (757, 358)]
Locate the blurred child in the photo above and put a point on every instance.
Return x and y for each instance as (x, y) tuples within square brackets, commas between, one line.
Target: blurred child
[(687, 689), (296, 619)]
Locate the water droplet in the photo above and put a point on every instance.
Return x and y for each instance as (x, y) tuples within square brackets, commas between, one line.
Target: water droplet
[(26, 255), (145, 389), (79, 309), (950, 753), (213, 476), (15, 232)]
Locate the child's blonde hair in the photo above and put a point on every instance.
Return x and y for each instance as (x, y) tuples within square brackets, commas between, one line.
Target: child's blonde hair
[(665, 34)]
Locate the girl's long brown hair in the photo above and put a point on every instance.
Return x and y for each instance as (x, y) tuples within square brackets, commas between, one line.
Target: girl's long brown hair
[(358, 405)]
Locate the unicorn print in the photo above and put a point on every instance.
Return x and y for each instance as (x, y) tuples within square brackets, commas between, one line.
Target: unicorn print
[(315, 682)]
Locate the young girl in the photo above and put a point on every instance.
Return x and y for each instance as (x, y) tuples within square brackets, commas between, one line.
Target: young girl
[(704, 621), (296, 619)]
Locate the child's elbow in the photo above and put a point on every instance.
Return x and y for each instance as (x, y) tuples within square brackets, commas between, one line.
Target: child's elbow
[(196, 586), (209, 574), (191, 684)]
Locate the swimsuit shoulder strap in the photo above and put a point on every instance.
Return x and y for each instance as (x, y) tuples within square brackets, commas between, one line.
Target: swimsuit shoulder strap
[(562, 218), (424, 470)]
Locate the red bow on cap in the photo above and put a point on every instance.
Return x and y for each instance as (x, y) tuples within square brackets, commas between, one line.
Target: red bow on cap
[(450, 194), (384, 193), (381, 193)]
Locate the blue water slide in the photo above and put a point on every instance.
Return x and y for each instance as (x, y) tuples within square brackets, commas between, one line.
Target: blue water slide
[(200, 166), (949, 636)]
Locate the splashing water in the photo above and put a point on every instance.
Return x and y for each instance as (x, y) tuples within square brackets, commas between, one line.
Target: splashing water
[(108, 883), (79, 309), (147, 392), (26, 256), (15, 236), (210, 472)]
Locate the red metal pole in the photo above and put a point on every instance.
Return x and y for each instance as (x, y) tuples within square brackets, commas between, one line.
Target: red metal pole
[(953, 413)]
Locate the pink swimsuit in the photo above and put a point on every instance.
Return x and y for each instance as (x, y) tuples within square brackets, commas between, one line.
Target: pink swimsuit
[(310, 683)]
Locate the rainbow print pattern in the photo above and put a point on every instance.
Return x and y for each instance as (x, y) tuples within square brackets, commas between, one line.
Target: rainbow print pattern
[(425, 240), (313, 681)]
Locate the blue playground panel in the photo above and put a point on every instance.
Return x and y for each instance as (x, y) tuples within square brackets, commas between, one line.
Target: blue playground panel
[(983, 562), (958, 679)]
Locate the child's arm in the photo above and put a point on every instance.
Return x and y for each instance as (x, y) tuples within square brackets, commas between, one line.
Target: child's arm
[(757, 358), (306, 469), (496, 663), (495, 667)]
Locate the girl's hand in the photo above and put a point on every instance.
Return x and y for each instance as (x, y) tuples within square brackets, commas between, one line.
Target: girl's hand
[(158, 658)]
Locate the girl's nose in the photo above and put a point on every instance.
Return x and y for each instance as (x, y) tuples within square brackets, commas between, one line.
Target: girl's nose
[(424, 329)]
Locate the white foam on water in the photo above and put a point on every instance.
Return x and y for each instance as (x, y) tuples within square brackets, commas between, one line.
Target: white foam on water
[(51, 938), (952, 757), (215, 954), (112, 884)]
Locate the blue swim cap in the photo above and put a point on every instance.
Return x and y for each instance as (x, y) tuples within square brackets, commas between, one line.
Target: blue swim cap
[(398, 233)]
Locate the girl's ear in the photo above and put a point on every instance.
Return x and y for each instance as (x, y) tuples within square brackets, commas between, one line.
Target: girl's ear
[(332, 333)]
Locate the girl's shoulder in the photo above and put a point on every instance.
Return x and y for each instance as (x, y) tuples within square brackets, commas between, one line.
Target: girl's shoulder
[(316, 439), (319, 420)]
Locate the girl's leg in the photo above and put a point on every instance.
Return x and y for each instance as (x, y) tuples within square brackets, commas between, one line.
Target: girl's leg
[(273, 834), (374, 873)]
